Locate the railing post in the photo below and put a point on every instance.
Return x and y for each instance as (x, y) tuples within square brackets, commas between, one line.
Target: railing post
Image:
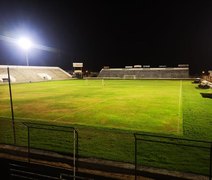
[(74, 156), (28, 129), (77, 151), (135, 156), (210, 174)]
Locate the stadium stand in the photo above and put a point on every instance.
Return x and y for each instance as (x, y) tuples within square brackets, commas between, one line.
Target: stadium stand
[(145, 73), (20, 74)]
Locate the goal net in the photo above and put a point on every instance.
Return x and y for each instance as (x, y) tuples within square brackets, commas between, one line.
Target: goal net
[(129, 77)]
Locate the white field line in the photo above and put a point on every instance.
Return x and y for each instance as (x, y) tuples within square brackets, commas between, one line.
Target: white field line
[(22, 118), (180, 108), (32, 119), (58, 118), (78, 110)]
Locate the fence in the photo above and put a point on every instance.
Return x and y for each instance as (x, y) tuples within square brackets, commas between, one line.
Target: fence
[(163, 151), (172, 153), (46, 128)]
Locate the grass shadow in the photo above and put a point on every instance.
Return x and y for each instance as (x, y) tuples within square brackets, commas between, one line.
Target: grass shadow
[(206, 95)]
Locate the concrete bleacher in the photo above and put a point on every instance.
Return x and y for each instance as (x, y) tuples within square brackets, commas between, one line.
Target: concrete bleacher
[(145, 73), (32, 73)]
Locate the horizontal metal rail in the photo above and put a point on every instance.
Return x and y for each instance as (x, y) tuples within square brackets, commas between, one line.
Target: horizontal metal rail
[(167, 139), (170, 137), (62, 177), (164, 142), (31, 174), (38, 126)]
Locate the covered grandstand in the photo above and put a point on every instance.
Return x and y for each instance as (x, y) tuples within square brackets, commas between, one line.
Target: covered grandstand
[(32, 73), (145, 73)]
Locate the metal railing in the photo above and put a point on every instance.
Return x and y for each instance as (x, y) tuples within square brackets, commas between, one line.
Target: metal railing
[(63, 129), (160, 139)]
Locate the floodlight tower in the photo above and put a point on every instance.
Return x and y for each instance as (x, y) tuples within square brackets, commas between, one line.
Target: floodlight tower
[(25, 44)]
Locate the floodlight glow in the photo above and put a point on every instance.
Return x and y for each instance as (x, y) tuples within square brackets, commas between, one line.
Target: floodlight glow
[(24, 43)]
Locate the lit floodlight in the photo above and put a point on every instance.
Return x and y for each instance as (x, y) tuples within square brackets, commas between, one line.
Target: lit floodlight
[(24, 43)]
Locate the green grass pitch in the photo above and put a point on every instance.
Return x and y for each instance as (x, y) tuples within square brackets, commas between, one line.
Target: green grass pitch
[(107, 113), (132, 105)]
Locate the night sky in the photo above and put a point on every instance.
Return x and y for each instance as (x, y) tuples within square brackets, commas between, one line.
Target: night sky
[(115, 34)]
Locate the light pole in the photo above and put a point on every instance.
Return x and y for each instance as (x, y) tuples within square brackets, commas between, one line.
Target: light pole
[(25, 44), (26, 56), (11, 106)]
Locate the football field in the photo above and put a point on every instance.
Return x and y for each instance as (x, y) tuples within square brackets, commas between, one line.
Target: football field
[(106, 113), (141, 105)]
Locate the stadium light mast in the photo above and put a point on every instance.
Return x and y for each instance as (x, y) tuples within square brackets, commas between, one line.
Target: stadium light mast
[(25, 44)]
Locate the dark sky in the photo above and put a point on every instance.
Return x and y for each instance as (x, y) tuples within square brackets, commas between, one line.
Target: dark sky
[(115, 34)]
